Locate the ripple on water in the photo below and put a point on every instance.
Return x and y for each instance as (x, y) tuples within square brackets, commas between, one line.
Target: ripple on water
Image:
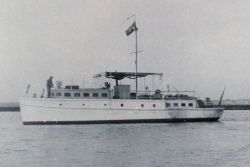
[(223, 143)]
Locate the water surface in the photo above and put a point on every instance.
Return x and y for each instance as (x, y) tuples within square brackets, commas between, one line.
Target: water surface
[(224, 143)]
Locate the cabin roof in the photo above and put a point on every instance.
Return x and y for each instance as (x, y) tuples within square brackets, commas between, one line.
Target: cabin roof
[(122, 75)]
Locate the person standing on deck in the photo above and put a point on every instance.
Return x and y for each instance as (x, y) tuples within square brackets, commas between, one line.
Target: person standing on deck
[(49, 85)]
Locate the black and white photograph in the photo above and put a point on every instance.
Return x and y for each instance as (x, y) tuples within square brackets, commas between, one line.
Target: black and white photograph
[(125, 83)]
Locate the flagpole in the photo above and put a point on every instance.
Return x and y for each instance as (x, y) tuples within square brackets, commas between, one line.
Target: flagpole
[(136, 83), (128, 32)]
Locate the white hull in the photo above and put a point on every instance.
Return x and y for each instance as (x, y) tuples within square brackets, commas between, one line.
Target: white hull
[(49, 110)]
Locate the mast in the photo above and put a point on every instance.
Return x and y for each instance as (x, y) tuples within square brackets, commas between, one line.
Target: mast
[(136, 83), (130, 30)]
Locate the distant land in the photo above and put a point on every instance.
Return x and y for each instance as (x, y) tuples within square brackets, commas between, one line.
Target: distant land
[(9, 107), (239, 104), (228, 104)]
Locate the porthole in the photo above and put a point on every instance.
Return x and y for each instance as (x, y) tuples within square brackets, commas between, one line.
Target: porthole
[(142, 105), (60, 104), (121, 105), (105, 104), (82, 104), (154, 105)]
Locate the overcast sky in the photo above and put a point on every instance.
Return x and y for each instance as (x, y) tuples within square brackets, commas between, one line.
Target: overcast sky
[(200, 45)]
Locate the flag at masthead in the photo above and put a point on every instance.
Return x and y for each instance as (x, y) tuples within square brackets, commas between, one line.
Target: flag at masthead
[(131, 29)]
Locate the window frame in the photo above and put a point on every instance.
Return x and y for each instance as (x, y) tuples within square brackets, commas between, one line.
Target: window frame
[(104, 94), (58, 94), (176, 104), (183, 104), (86, 94), (67, 94), (167, 105), (190, 104), (78, 93)]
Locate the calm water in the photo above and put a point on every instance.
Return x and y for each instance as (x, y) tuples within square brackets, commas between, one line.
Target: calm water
[(225, 143)]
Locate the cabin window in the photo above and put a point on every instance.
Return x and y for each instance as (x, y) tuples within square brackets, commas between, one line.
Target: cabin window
[(67, 94), (77, 94), (183, 104), (190, 104), (142, 105), (67, 87), (52, 94), (105, 105), (167, 104), (104, 95), (153, 105), (58, 94), (175, 104), (85, 94), (121, 105), (95, 94)]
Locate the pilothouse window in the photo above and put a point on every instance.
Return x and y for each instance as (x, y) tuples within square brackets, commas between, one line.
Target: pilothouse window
[(175, 104)]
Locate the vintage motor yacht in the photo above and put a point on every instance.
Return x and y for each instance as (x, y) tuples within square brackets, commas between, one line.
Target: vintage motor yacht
[(72, 104), (117, 104)]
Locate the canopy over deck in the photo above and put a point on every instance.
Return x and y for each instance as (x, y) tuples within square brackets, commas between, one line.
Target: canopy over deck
[(121, 75)]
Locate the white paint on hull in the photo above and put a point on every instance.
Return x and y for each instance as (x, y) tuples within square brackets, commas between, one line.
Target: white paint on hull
[(80, 110)]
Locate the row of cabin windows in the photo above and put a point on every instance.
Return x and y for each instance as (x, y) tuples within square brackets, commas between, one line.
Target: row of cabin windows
[(181, 104), (167, 105), (79, 94)]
